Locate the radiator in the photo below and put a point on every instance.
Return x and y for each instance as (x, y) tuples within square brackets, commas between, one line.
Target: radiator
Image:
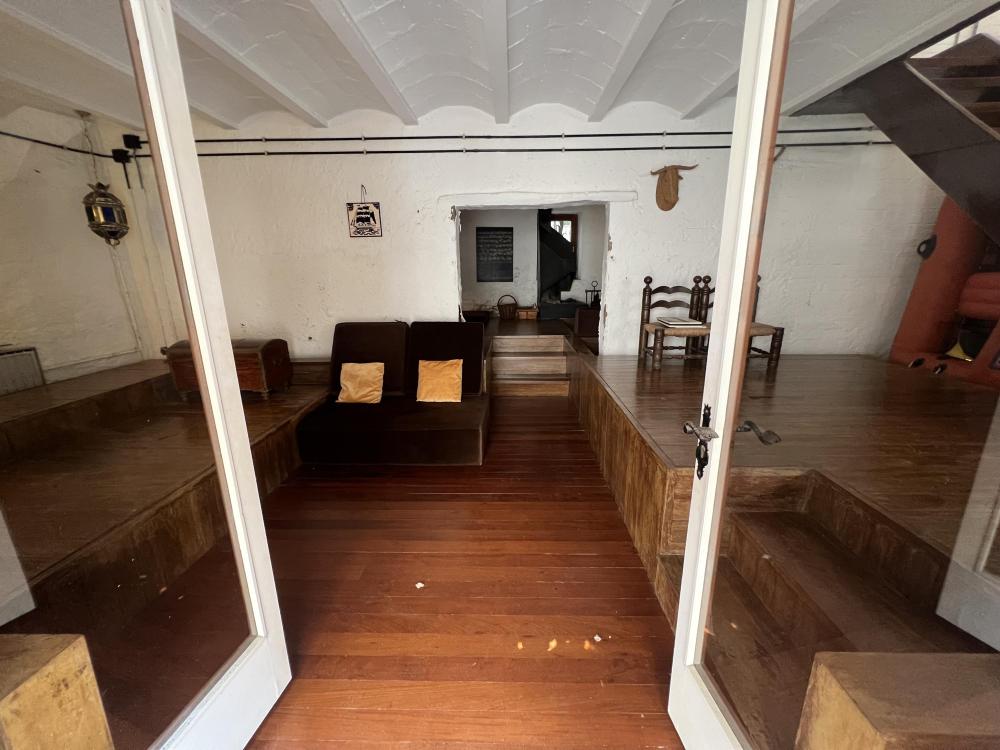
[(19, 369)]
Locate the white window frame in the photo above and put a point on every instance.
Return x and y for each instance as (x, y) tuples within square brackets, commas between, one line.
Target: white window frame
[(696, 708), (229, 709)]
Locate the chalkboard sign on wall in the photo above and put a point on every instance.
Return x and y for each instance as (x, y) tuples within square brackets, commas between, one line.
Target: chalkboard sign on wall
[(494, 253)]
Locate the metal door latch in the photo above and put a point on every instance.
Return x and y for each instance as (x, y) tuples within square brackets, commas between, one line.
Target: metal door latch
[(767, 437), (704, 433)]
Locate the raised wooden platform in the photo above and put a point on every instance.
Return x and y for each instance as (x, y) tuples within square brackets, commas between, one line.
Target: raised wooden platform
[(905, 441), (110, 495), (835, 539), (129, 466)]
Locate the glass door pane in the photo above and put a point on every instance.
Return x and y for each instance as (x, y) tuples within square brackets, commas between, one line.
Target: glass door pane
[(855, 586), (115, 526)]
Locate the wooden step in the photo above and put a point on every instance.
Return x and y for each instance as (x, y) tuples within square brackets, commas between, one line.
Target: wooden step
[(754, 662), (542, 343), (929, 701), (808, 582), (529, 363), (887, 550), (530, 385), (967, 82), (785, 593)]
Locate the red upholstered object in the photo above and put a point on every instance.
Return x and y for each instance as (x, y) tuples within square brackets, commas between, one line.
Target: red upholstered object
[(929, 321), (980, 298)]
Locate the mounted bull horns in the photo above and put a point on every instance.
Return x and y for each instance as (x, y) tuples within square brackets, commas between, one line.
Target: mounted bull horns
[(668, 185)]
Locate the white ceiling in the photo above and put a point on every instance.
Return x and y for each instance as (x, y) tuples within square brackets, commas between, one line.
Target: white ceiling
[(319, 59)]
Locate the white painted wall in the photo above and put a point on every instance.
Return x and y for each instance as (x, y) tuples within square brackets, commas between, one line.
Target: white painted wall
[(841, 231), (84, 305), (592, 242), (479, 295), (592, 233), (59, 288)]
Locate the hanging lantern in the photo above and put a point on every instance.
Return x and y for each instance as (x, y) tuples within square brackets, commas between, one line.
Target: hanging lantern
[(105, 214)]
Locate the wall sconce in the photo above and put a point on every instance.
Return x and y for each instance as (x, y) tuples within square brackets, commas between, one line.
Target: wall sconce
[(105, 214)]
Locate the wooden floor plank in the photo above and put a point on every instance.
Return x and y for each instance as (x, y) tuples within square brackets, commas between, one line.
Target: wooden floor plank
[(621, 669), (566, 626), (533, 624), (584, 729), (514, 646)]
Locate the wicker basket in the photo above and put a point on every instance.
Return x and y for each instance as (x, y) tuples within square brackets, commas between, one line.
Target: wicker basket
[(507, 310)]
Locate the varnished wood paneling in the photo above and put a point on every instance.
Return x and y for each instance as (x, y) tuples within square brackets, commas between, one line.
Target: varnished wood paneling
[(904, 441), (910, 565), (640, 481), (882, 456), (529, 385), (311, 372)]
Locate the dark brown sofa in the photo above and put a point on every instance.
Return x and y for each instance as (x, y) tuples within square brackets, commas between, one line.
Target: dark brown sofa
[(401, 430)]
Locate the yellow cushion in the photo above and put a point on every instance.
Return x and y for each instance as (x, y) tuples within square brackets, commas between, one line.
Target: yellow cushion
[(439, 380), (361, 383)]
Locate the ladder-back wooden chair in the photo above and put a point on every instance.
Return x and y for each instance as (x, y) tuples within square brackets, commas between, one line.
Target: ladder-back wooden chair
[(693, 302), (698, 302)]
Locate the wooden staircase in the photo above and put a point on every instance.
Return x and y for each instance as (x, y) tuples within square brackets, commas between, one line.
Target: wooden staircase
[(529, 366), (944, 113)]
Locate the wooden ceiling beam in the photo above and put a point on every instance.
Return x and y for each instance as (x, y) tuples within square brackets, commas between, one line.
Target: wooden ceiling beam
[(495, 31), (804, 19), (343, 25), (79, 48), (220, 50), (645, 29)]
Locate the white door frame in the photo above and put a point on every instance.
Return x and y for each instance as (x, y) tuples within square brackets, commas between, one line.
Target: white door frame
[(698, 711), (228, 711), (970, 597)]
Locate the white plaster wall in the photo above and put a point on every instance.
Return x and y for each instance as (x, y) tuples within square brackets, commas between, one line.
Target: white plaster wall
[(592, 226), (841, 231), (524, 287), (59, 288), (592, 232)]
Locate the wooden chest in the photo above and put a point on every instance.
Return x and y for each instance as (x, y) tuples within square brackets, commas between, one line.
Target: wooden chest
[(262, 366)]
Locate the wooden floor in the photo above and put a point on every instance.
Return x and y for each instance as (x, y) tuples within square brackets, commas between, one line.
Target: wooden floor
[(906, 441), (473, 607)]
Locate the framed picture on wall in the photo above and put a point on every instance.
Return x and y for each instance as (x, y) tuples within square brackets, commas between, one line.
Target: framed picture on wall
[(494, 253), (364, 219)]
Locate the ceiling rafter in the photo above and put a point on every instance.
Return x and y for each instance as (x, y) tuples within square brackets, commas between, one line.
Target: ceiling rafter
[(495, 31), (217, 48), (645, 29), (130, 117), (804, 19), (78, 47), (342, 24)]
